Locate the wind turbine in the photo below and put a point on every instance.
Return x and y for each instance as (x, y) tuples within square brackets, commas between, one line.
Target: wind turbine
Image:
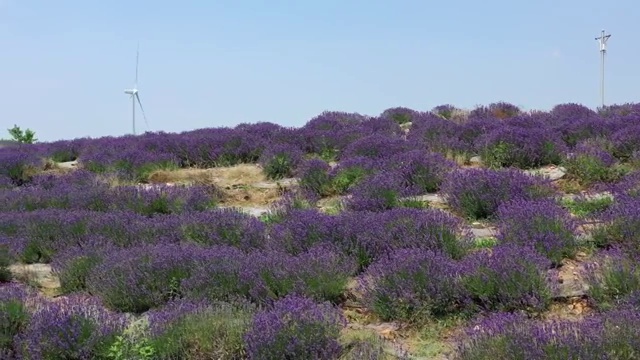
[(135, 96)]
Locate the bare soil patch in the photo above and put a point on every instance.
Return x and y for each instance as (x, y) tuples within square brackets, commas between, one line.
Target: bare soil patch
[(244, 185)]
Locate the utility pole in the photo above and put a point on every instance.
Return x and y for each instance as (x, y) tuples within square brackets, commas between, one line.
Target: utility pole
[(602, 39)]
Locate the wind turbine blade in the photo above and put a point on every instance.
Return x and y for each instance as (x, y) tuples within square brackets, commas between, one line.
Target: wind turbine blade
[(142, 110)]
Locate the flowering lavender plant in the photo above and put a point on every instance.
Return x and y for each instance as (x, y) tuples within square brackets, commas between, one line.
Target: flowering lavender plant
[(513, 336), (380, 192), (520, 147), (301, 229), (477, 193), (145, 277), (370, 236), (620, 226), (74, 264), (412, 285), (73, 327), (223, 227), (348, 173), (541, 224), (18, 164), (626, 140), (280, 161), (508, 277), (295, 328), (14, 316), (421, 171), (498, 111), (314, 177), (590, 164), (375, 146), (321, 273), (612, 278), (400, 115), (431, 132)]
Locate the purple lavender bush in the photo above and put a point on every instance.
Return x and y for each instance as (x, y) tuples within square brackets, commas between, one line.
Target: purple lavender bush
[(507, 278), (321, 273), (330, 132), (295, 328), (348, 173), (280, 161), (65, 150), (589, 164), (369, 236), (431, 132), (19, 164), (315, 178), (379, 125), (477, 193), (520, 147), (44, 233), (162, 199), (628, 188), (445, 111), (69, 328), (301, 229), (571, 112), (619, 110), (375, 146), (626, 141), (421, 171), (474, 129), (223, 227), (574, 131), (125, 157), (6, 183), (400, 115), (513, 336), (82, 190), (138, 279), (498, 111), (412, 285), (74, 264), (541, 224), (77, 190), (217, 276), (612, 277), (380, 192), (620, 226)]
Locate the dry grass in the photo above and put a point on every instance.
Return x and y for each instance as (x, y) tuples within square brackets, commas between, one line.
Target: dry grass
[(222, 176), (243, 185), (569, 186)]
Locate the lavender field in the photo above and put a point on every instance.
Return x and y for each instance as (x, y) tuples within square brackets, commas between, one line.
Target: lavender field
[(444, 234)]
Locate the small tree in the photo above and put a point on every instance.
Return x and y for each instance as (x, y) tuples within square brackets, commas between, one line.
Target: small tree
[(26, 136)]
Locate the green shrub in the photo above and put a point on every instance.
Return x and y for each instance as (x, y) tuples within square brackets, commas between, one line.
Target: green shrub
[(5, 261), (585, 207), (612, 279), (214, 333)]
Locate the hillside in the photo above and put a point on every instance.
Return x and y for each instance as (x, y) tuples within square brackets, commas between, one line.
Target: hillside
[(442, 234)]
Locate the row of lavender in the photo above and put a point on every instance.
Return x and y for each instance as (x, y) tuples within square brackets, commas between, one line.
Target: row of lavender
[(501, 133), (411, 263), (158, 251)]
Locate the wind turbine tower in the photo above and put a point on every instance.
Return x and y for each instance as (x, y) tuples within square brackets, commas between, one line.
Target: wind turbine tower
[(602, 39), (135, 96)]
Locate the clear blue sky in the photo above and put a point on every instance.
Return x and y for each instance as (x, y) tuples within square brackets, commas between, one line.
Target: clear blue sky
[(64, 64)]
